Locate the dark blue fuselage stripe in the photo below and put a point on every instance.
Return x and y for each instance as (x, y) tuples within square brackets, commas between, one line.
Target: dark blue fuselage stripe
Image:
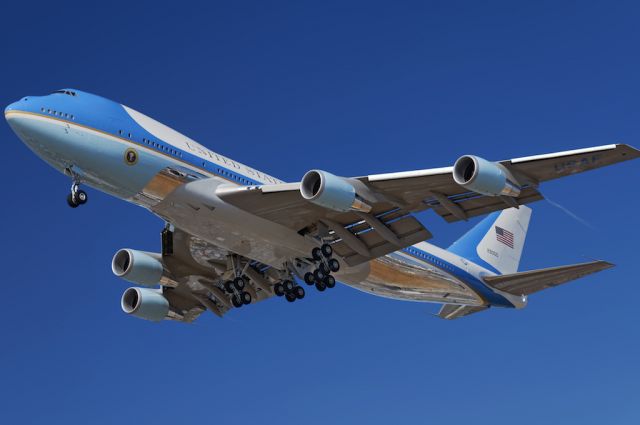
[(476, 284)]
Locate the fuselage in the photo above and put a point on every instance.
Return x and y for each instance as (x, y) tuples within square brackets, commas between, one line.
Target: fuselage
[(122, 152)]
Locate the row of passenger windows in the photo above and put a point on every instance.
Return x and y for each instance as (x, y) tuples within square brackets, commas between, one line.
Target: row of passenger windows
[(154, 144), (58, 113), (232, 176), (429, 258), (177, 153)]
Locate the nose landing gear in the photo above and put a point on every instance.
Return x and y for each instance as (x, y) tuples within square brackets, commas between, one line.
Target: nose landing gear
[(77, 196)]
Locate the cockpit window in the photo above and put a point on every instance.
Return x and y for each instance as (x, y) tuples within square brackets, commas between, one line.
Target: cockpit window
[(67, 92)]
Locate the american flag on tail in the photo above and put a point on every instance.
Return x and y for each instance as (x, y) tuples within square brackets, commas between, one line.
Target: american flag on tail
[(504, 236)]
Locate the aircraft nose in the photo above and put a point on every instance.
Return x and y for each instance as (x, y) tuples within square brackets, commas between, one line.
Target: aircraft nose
[(9, 108), (16, 106)]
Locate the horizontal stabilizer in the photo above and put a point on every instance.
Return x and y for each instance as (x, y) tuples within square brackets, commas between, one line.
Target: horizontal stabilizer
[(453, 311), (525, 283)]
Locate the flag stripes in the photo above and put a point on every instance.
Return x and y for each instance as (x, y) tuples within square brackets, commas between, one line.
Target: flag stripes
[(504, 236)]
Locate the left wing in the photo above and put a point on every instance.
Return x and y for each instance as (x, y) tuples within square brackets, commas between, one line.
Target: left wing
[(197, 271), (453, 311), (381, 219)]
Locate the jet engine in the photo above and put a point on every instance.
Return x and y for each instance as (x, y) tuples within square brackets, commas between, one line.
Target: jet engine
[(332, 192), (484, 177), (138, 267), (145, 303)]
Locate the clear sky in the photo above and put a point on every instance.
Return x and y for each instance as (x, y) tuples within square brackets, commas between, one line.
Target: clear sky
[(353, 88)]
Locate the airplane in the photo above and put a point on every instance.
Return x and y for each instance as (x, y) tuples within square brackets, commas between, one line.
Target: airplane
[(236, 236)]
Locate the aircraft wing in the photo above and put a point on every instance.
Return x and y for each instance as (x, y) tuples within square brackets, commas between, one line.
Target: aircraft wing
[(437, 189), (390, 224), (453, 311), (197, 272), (526, 283)]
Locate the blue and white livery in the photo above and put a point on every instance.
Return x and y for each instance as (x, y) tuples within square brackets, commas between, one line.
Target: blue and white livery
[(235, 235)]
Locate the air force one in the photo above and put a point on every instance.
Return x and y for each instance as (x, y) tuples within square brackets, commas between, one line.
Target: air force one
[(235, 235)]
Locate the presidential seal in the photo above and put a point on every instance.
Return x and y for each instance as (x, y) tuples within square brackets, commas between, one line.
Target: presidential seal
[(130, 156)]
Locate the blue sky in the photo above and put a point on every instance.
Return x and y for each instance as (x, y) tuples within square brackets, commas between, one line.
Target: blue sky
[(353, 88)]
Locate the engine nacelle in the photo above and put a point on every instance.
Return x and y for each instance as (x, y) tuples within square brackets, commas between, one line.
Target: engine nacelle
[(332, 192), (137, 267), (484, 177), (145, 303)]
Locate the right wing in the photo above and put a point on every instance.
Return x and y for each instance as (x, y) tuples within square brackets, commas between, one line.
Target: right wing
[(526, 283)]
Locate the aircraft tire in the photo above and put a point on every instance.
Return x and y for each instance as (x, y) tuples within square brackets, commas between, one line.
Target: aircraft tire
[(329, 282), (318, 275), (246, 298), (334, 265), (309, 279), (228, 287), (81, 197), (290, 296), (239, 283), (71, 202), (288, 285), (236, 301)]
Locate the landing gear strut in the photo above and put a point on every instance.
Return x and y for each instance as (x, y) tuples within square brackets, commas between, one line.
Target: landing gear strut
[(77, 196), (326, 264)]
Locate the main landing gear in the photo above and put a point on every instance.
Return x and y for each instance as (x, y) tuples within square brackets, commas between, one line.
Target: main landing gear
[(289, 290), (77, 196), (326, 264), (239, 296)]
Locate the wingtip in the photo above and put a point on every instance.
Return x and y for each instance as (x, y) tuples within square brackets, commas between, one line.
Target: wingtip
[(607, 264), (629, 151), (604, 265)]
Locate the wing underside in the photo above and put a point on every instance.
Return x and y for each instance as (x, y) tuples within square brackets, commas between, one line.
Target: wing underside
[(529, 282), (390, 225), (199, 270), (452, 311)]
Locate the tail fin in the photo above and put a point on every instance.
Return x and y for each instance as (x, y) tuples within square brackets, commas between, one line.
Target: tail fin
[(496, 242)]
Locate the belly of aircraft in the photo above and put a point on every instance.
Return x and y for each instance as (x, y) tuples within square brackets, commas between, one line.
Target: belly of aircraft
[(399, 276)]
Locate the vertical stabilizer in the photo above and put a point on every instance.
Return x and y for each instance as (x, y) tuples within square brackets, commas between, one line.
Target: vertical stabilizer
[(496, 242)]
